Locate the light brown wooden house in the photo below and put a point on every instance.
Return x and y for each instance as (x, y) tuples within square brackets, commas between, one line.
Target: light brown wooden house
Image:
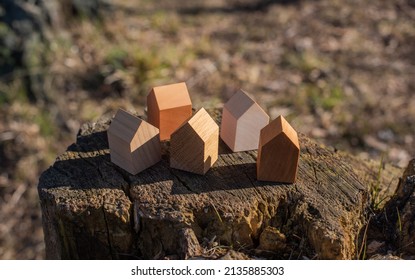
[(134, 144), (278, 152), (168, 107), (194, 146), (242, 121)]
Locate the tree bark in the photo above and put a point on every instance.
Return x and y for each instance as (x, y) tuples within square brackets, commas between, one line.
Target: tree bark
[(394, 226), (93, 209)]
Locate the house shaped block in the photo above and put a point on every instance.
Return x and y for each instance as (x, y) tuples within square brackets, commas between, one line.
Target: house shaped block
[(168, 107), (278, 152), (242, 121), (194, 146), (134, 144)]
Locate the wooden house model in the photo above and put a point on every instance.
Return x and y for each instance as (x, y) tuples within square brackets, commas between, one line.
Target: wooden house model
[(134, 144), (168, 107), (242, 121), (194, 146), (278, 152)]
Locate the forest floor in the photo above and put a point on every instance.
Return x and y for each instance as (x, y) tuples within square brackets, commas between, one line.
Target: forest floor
[(341, 72)]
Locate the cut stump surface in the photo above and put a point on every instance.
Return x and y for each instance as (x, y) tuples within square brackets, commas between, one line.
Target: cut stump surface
[(93, 209)]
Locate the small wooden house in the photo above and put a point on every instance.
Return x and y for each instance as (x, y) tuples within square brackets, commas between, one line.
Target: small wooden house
[(194, 146), (168, 107), (278, 152), (134, 144), (242, 121)]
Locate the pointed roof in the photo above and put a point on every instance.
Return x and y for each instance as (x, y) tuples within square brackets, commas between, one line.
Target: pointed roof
[(209, 125), (275, 128), (194, 145), (201, 123), (124, 125), (171, 96), (240, 103), (131, 129)]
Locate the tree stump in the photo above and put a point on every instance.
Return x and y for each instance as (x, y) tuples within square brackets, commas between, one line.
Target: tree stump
[(93, 209), (393, 228)]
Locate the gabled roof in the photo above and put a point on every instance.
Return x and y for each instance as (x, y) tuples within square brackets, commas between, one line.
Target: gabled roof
[(275, 128), (131, 129), (203, 124), (171, 96), (240, 103), (194, 145), (124, 125)]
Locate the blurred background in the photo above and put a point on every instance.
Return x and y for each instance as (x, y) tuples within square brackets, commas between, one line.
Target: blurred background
[(341, 71)]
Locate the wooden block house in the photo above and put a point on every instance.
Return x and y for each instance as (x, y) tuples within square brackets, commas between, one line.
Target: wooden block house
[(242, 121), (194, 146), (134, 144), (278, 152), (168, 107)]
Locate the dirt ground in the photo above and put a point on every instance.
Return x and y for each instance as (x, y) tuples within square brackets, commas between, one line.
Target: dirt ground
[(341, 72)]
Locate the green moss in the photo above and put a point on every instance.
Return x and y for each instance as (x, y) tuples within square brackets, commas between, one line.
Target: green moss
[(305, 61), (3, 98), (4, 30), (313, 96), (326, 98), (117, 58), (14, 91), (203, 46), (35, 54), (5, 51), (46, 126), (165, 22), (149, 65), (310, 96)]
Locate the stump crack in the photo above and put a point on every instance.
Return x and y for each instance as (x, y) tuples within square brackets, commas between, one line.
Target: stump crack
[(253, 186), (312, 163), (108, 231), (129, 182), (61, 171), (183, 183), (252, 156)]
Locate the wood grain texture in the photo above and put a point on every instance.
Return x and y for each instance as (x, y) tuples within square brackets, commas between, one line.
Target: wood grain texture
[(278, 152), (194, 146), (168, 107), (93, 209), (134, 143), (242, 121)]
